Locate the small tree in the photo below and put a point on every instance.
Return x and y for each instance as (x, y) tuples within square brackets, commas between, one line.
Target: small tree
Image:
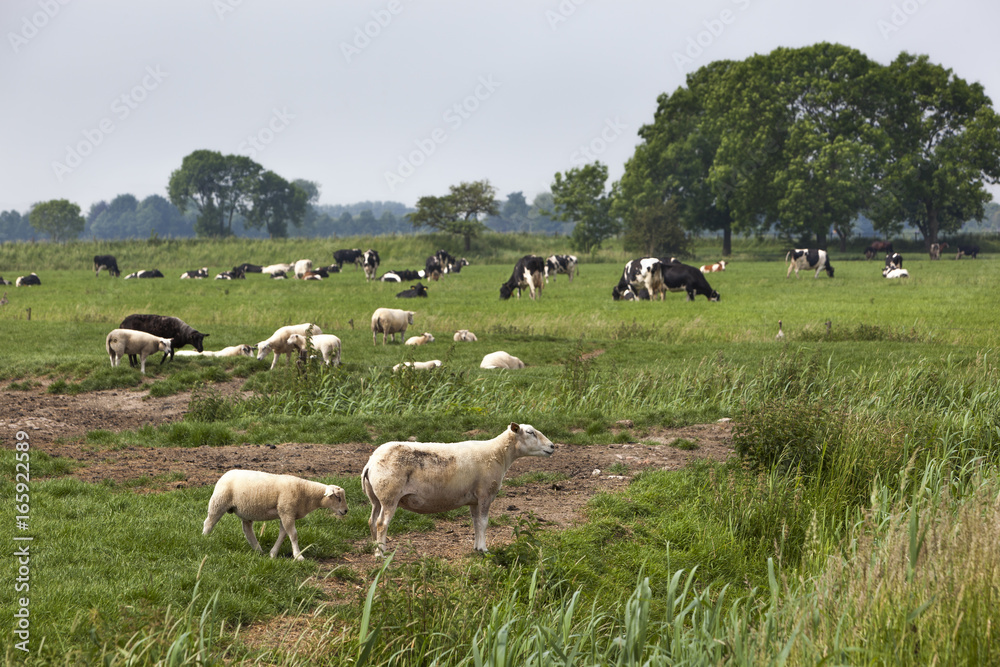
[(656, 231), (459, 212), (58, 218), (275, 203), (579, 197)]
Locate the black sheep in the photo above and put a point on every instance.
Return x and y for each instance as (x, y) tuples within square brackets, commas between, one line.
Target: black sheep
[(164, 326)]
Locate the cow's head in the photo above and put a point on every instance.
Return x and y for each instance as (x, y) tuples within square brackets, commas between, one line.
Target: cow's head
[(829, 270), (505, 291)]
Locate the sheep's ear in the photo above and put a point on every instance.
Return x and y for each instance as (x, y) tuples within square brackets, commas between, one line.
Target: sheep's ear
[(329, 491), (515, 427)]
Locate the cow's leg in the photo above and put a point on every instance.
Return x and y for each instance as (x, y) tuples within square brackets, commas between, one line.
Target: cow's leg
[(818, 269), (791, 266)]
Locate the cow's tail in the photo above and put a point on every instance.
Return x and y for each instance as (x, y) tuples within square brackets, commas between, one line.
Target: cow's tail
[(788, 256)]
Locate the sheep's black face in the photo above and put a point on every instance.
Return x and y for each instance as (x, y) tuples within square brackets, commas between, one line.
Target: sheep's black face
[(199, 342)]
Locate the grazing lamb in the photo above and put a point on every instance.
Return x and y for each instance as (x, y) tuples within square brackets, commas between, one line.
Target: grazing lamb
[(231, 351), (501, 359), (278, 342), (302, 267), (200, 273), (423, 339), (262, 496), (28, 280), (327, 345), (431, 477), (464, 335), (131, 342), (418, 365), (389, 322), (176, 329)]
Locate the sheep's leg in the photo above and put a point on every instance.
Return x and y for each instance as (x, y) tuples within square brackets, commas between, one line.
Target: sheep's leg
[(382, 528), (274, 361), (251, 538), (480, 518), (286, 526), (142, 364)]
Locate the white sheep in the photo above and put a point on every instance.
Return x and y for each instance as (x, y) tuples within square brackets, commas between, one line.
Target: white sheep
[(302, 267), (122, 342), (431, 477), (418, 365), (327, 345), (231, 351), (262, 496), (464, 335), (501, 359), (389, 322), (278, 342), (271, 269), (422, 339)]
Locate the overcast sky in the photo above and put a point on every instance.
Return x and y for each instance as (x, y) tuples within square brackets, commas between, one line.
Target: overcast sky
[(395, 99)]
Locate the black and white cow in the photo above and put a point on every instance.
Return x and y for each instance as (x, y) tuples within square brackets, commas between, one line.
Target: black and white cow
[(147, 273), (414, 291), (28, 281), (557, 264), (5, 282), (348, 255), (456, 266), (197, 275), (401, 276), (325, 271), (370, 262), (232, 275), (679, 277), (808, 258), (894, 261), (645, 273), (108, 263), (246, 267), (967, 251), (529, 272)]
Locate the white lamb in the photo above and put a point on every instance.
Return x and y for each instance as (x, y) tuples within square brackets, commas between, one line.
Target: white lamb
[(302, 267), (418, 365), (389, 322), (327, 345), (501, 359), (431, 477), (278, 342), (464, 335), (422, 339), (231, 351), (261, 496), (122, 342)]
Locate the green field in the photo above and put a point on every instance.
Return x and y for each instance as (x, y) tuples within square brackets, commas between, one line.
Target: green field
[(855, 527)]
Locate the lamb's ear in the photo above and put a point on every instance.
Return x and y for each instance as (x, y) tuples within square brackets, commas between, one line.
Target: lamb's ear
[(515, 427)]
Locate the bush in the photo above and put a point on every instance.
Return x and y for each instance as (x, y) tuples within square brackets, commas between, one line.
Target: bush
[(792, 433)]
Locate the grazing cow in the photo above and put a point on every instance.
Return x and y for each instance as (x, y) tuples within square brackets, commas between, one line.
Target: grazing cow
[(246, 267), (351, 256), (164, 326), (802, 259), (713, 268), (370, 262), (935, 250), (414, 291), (640, 274), (557, 264), (402, 276), (28, 281), (683, 278), (528, 272), (894, 261), (878, 247), (967, 251), (233, 275), (108, 263), (148, 273), (199, 274)]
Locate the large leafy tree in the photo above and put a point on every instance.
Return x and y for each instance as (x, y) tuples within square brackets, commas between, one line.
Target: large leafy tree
[(460, 212), (656, 231), (944, 145), (218, 185), (579, 196), (59, 218), (274, 203)]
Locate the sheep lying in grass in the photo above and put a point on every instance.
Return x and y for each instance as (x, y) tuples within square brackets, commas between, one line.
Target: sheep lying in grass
[(422, 339), (278, 342), (431, 477), (418, 365), (327, 345), (122, 342), (231, 351), (464, 335), (501, 359), (261, 496)]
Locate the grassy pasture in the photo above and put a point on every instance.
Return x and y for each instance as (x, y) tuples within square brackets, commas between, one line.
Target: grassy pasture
[(895, 416)]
